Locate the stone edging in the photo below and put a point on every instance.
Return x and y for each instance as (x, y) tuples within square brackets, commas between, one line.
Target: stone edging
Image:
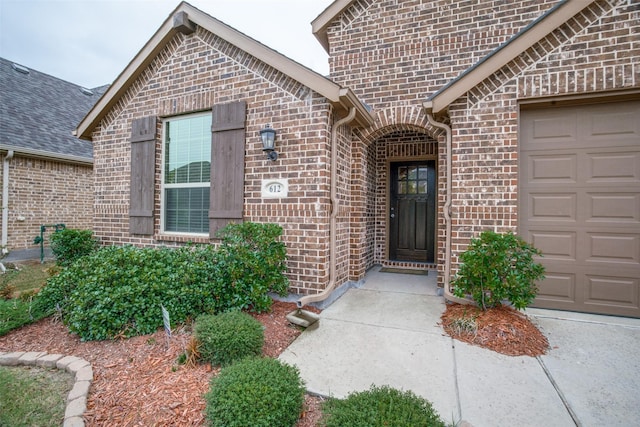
[(80, 368)]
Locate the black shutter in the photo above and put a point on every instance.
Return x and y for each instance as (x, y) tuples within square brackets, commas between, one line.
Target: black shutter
[(143, 160), (227, 164)]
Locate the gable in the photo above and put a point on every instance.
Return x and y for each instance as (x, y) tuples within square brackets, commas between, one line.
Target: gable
[(186, 20)]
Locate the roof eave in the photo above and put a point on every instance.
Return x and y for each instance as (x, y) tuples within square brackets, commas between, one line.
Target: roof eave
[(321, 23), (348, 100), (526, 38), (47, 155), (131, 72)]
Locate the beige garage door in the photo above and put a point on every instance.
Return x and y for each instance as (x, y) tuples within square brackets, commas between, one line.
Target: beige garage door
[(580, 204)]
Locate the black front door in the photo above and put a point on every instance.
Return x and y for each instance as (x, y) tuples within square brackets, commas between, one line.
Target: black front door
[(412, 211)]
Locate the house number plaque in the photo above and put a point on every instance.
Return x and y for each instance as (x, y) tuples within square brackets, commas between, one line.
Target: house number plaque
[(275, 188)]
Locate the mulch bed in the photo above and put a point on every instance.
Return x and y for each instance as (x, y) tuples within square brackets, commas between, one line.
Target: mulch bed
[(501, 329), (137, 381)]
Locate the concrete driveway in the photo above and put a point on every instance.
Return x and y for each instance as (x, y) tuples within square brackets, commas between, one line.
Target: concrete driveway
[(387, 333)]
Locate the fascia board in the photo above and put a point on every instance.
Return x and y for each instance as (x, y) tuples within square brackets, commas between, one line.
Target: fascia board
[(47, 155), (321, 23)]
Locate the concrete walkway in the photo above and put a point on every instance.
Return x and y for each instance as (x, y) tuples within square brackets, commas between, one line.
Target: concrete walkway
[(387, 333)]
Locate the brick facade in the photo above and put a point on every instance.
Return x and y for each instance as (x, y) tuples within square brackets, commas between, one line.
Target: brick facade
[(193, 73), (393, 55), (46, 192)]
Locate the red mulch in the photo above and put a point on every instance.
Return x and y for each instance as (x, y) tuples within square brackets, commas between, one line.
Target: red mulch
[(137, 381), (501, 329)]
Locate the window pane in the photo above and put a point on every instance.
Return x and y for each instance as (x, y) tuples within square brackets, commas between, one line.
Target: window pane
[(187, 210), (188, 150), (422, 187), (422, 174), (402, 188), (413, 173)]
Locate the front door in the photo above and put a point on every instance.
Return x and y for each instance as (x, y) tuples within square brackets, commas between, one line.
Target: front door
[(412, 211)]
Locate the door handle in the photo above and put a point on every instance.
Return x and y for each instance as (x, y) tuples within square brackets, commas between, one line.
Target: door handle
[(393, 215)]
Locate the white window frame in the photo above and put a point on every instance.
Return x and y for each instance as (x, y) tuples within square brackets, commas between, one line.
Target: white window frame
[(182, 185)]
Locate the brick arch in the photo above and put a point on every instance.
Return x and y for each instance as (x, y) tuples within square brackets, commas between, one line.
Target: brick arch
[(402, 118)]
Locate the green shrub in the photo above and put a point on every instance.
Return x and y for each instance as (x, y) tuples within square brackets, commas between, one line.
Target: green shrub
[(498, 267), (251, 263), (227, 337), (380, 406), (68, 245), (117, 291), (255, 392)]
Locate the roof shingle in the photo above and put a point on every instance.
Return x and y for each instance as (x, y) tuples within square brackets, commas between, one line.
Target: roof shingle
[(38, 112)]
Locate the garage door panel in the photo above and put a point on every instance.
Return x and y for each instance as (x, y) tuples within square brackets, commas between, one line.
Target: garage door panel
[(579, 183), (552, 207), (555, 245), (613, 248), (547, 130), (612, 291), (553, 169), (618, 167), (557, 286), (613, 208), (606, 124)]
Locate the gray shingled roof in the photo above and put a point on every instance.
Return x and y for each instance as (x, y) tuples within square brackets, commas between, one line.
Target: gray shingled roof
[(38, 112)]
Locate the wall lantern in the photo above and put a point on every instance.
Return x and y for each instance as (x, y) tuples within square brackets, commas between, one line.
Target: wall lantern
[(268, 137)]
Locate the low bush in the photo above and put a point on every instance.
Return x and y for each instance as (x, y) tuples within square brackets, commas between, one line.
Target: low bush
[(498, 267), (380, 406), (257, 392), (117, 291), (69, 244), (227, 337)]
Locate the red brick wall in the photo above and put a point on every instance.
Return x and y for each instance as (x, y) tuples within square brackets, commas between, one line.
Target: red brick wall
[(394, 55), (190, 75), (46, 192)]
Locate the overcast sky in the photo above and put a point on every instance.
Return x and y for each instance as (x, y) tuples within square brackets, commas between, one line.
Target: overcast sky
[(89, 42)]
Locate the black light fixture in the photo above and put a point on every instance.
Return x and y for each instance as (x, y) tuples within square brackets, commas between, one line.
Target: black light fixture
[(268, 137)]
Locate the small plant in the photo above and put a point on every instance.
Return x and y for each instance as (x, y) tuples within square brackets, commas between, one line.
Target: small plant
[(6, 291), (498, 267), (228, 337), (257, 392), (68, 245), (466, 324), (192, 352), (380, 406)]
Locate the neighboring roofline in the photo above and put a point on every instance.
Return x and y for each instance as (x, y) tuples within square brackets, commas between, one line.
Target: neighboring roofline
[(46, 155), (527, 37), (318, 83), (321, 23)]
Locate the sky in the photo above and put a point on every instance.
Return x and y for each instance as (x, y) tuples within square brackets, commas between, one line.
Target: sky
[(90, 42)]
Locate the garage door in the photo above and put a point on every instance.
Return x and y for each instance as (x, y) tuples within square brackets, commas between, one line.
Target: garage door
[(580, 204)]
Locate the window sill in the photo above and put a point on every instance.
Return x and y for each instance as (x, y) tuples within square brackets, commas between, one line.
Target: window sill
[(182, 238)]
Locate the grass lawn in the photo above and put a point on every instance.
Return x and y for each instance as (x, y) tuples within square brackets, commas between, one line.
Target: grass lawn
[(16, 312), (30, 275), (31, 396)]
